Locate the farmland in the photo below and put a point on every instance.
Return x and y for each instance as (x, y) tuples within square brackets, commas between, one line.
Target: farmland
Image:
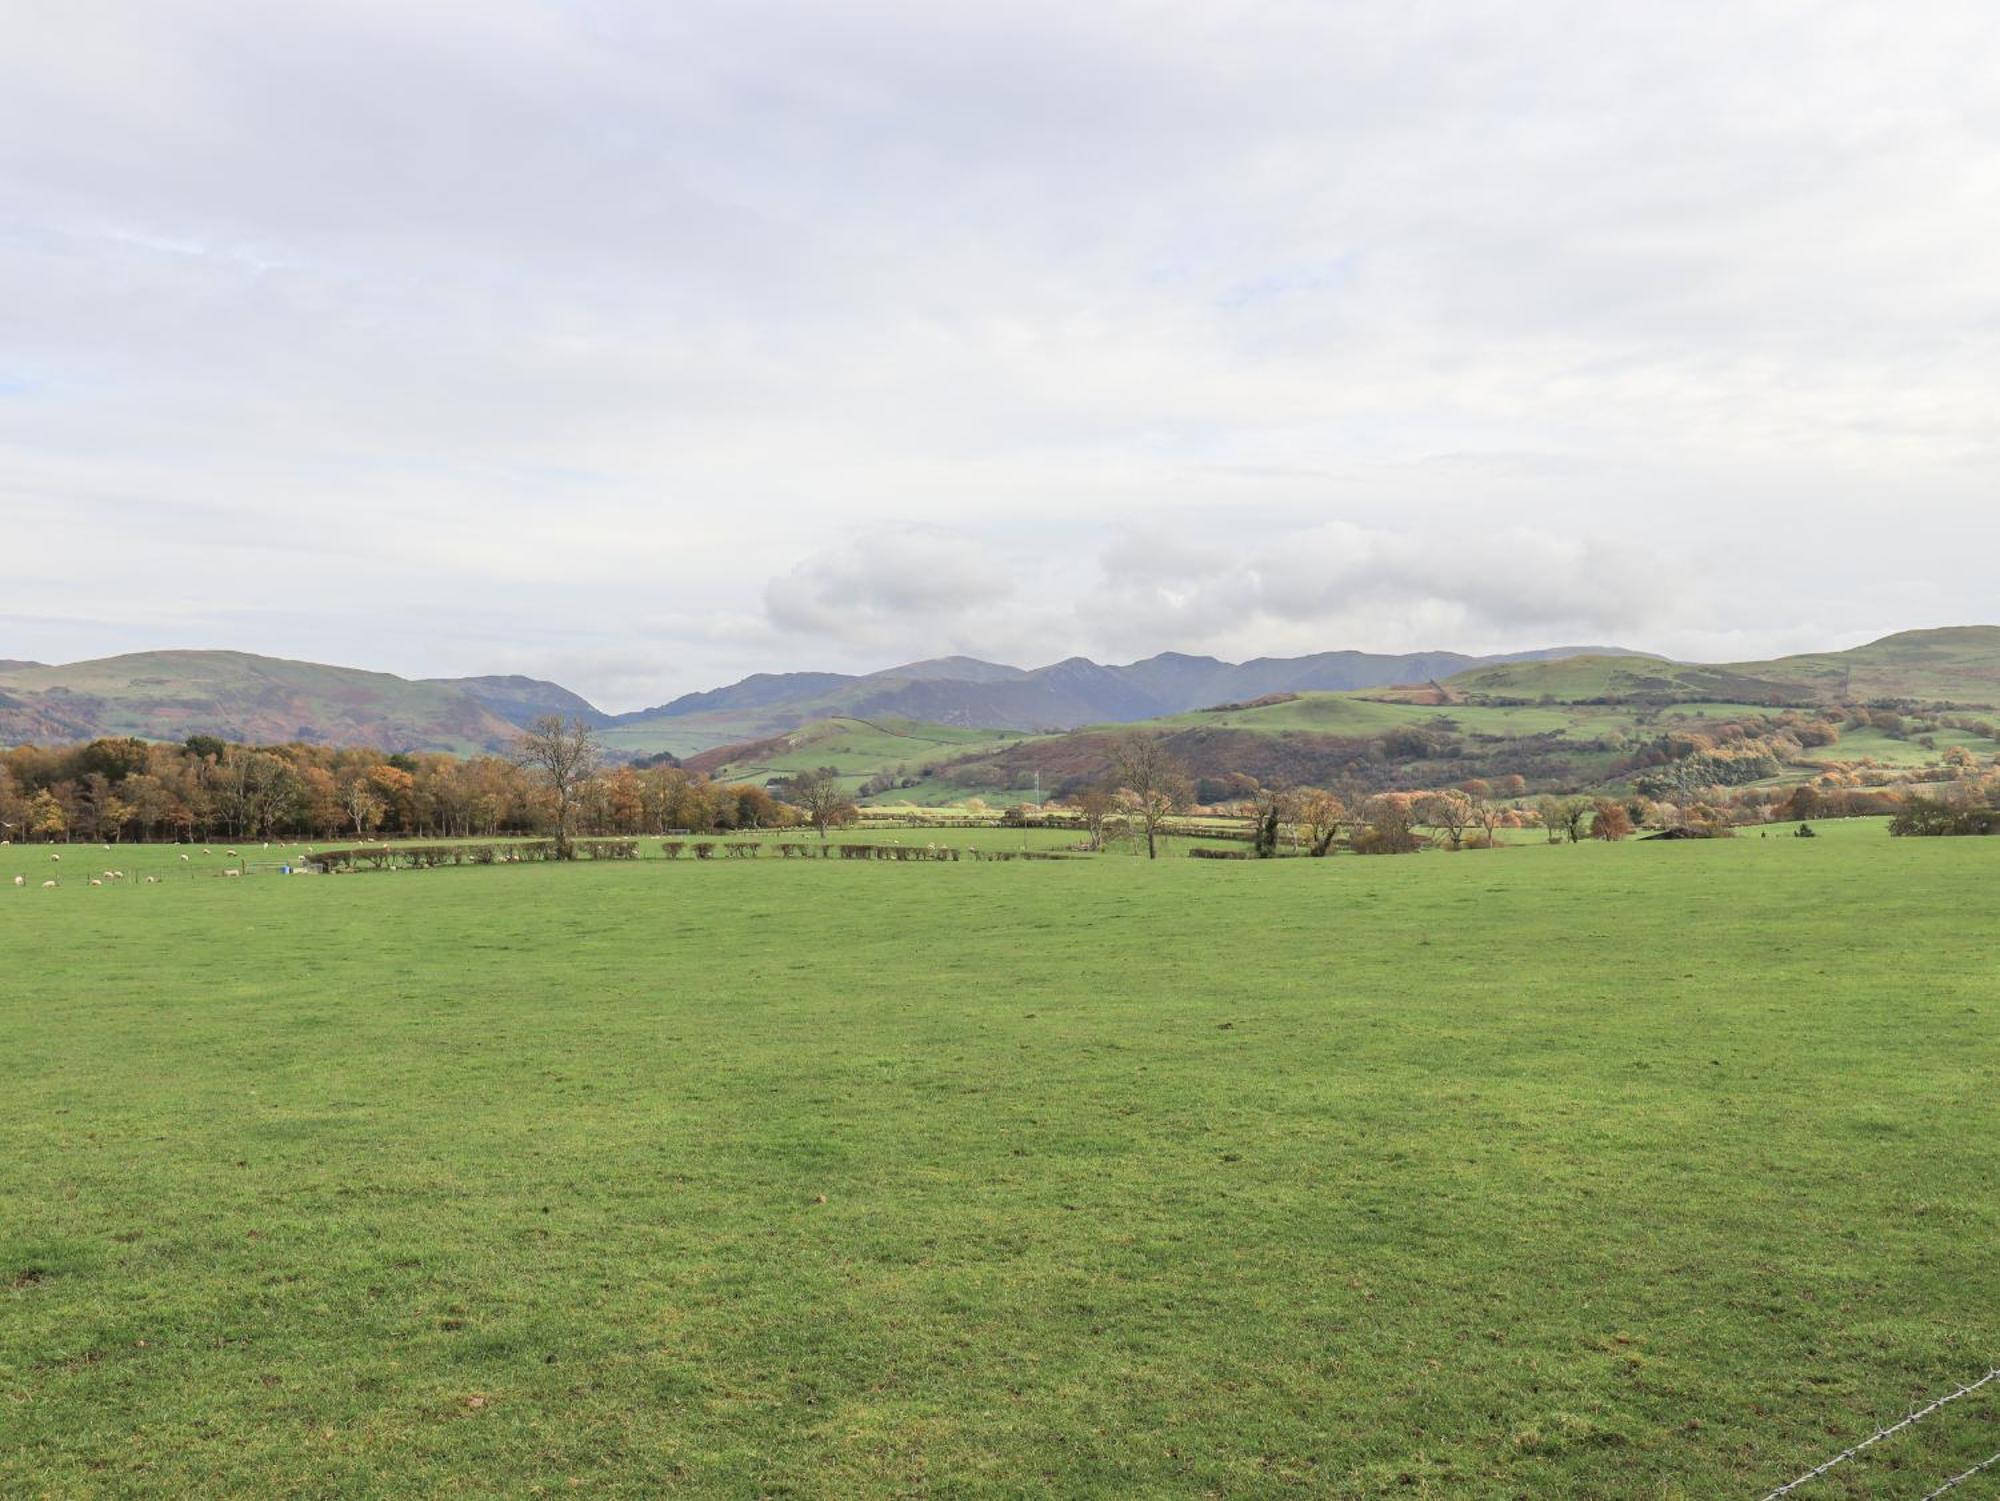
[(1658, 1170)]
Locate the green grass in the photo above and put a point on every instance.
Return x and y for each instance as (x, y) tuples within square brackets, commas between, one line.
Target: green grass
[(1646, 1170), (862, 748)]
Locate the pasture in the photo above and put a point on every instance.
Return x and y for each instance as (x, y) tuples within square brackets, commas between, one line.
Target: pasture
[(1643, 1170)]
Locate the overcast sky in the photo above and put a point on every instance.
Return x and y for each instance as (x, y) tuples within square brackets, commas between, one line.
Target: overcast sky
[(646, 345)]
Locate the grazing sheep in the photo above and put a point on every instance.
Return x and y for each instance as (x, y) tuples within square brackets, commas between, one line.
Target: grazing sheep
[(55, 857), (20, 880), (152, 880), (184, 859), (232, 872), (205, 850), (95, 882), (48, 885), (230, 853)]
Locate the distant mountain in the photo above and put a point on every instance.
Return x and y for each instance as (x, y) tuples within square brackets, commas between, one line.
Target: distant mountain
[(964, 691), (168, 695), (521, 701)]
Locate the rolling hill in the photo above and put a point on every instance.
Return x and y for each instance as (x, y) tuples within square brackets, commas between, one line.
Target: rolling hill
[(1956, 665), (168, 695)]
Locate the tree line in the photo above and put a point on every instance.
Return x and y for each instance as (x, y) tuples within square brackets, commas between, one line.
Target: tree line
[(203, 788)]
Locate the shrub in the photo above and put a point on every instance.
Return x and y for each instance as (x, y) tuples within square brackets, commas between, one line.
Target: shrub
[(672, 848)]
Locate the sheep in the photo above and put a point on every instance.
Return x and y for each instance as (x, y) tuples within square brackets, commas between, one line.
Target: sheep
[(48, 885), (232, 872), (206, 850), (184, 859), (152, 880), (95, 882), (230, 853), (20, 880), (55, 857)]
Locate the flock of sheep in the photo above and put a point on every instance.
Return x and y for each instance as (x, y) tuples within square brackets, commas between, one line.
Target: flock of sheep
[(114, 876)]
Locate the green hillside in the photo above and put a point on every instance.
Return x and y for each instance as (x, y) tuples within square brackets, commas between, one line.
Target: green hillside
[(1958, 664), (166, 695), (861, 750)]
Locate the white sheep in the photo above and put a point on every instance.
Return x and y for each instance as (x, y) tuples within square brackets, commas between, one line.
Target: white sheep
[(232, 872), (55, 857), (48, 885), (206, 850), (152, 880), (20, 880), (230, 853), (184, 859), (95, 882)]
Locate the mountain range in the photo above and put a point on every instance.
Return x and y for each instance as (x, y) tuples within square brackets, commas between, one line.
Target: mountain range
[(169, 695)]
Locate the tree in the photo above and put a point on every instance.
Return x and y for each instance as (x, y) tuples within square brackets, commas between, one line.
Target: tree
[(1316, 814), (360, 803), (563, 755), (1610, 821), (1152, 785), (819, 796), (1450, 811), (1266, 842), (1094, 807), (1389, 820), (1563, 816)]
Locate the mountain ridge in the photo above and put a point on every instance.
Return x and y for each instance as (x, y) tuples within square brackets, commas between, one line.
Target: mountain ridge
[(167, 695)]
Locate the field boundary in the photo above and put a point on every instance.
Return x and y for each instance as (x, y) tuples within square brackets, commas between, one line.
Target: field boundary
[(1894, 1428)]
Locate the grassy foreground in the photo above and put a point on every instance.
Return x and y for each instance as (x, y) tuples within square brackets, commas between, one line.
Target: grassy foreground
[(1636, 1171)]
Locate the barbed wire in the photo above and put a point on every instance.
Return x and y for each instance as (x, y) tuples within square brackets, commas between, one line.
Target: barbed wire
[(1894, 1428), (1958, 1480)]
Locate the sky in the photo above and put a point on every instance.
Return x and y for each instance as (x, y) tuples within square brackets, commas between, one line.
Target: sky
[(645, 346)]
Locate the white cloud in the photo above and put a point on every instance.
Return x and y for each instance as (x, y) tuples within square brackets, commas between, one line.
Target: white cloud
[(466, 337)]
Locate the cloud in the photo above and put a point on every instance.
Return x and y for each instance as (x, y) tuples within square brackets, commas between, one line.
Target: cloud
[(908, 585), (579, 323)]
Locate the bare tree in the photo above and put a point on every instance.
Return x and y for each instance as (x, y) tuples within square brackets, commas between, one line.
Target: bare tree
[(564, 755), (1449, 810), (1094, 807), (1152, 785), (819, 796)]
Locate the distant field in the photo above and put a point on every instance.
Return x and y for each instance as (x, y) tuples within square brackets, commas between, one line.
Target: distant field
[(861, 749), (1638, 1170)]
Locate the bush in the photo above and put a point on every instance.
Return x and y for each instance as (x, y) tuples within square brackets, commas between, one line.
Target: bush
[(672, 848)]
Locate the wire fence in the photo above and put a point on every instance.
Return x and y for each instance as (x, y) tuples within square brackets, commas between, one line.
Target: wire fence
[(1894, 1428), (1957, 1480)]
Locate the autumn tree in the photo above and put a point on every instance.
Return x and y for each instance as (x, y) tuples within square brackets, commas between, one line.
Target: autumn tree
[(1389, 822), (819, 795), (1316, 814), (1610, 821), (563, 755), (1152, 784)]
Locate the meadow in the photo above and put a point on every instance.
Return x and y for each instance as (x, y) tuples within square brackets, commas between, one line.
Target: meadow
[(1642, 1170)]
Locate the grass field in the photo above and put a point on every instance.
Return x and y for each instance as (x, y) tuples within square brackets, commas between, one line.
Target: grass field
[(1656, 1171), (861, 748)]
